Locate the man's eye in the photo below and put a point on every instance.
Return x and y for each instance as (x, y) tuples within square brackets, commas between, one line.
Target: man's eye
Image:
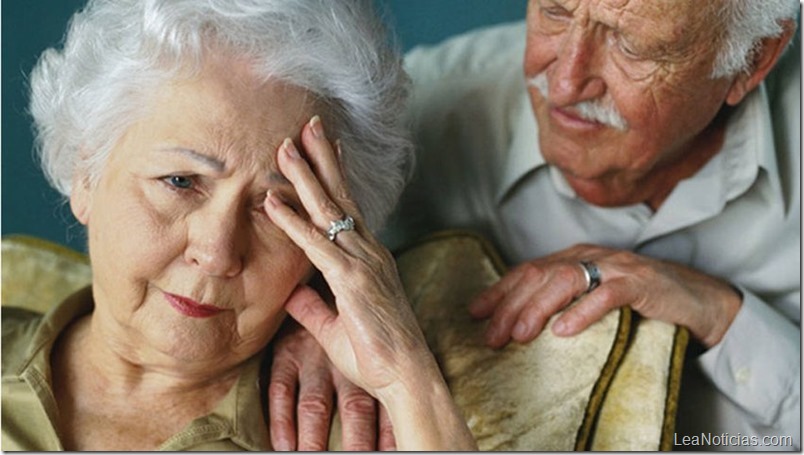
[(628, 50), (555, 13), (179, 181), (625, 47)]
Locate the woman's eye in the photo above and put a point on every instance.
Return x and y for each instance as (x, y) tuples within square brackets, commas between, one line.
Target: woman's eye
[(179, 181)]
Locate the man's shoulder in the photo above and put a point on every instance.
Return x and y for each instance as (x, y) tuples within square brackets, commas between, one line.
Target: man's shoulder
[(471, 53), (469, 77), (784, 82), (784, 98)]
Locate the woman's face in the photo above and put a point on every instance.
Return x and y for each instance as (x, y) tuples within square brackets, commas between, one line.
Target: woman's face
[(188, 269)]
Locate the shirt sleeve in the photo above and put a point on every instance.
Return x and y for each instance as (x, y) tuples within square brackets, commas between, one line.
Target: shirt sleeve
[(757, 366)]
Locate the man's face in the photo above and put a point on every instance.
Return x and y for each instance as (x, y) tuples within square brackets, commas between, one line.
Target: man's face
[(625, 90)]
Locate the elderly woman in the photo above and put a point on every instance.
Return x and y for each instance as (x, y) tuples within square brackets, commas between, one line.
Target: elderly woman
[(196, 142)]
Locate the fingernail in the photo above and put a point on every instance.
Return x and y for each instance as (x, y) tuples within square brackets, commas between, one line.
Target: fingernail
[(270, 198), (491, 335), (290, 148), (283, 446), (316, 128), (560, 328), (474, 308), (520, 330), (338, 147)]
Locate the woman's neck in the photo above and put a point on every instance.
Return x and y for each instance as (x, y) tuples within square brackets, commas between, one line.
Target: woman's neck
[(114, 401)]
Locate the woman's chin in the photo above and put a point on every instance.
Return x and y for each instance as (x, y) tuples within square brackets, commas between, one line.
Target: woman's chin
[(191, 346)]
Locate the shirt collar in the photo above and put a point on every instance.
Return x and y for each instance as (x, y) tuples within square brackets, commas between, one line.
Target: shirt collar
[(753, 133), (524, 155), (238, 416), (748, 146)]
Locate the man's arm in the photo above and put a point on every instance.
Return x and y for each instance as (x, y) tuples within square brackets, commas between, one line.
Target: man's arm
[(753, 350), (757, 366)]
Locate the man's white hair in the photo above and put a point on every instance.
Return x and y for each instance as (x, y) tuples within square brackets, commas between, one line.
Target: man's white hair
[(745, 23), (84, 96)]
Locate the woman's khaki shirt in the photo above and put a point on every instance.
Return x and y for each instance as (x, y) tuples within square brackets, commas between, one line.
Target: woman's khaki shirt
[(30, 411)]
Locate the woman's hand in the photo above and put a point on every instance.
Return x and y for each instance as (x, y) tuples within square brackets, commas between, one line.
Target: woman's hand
[(373, 338)]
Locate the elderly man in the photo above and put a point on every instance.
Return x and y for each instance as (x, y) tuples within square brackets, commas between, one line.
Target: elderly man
[(648, 157)]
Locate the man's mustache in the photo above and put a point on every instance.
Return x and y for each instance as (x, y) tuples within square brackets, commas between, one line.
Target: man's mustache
[(597, 111)]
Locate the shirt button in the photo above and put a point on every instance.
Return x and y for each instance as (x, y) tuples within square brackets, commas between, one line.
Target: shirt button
[(742, 376)]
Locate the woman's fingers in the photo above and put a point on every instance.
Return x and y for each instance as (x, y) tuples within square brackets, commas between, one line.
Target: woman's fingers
[(306, 307), (323, 253), (314, 197), (322, 209), (325, 161)]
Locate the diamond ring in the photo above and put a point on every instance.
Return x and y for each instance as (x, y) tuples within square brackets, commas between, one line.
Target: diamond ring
[(347, 223)]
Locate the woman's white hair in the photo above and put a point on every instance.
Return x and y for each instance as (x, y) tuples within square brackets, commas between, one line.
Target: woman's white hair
[(85, 96), (744, 24)]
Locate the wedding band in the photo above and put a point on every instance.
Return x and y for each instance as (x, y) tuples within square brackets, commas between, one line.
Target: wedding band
[(347, 223), (592, 275)]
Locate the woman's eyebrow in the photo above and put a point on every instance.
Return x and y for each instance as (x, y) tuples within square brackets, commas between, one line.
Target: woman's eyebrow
[(272, 177), (211, 162)]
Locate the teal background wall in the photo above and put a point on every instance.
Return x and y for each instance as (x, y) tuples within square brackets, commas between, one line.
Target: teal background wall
[(30, 206)]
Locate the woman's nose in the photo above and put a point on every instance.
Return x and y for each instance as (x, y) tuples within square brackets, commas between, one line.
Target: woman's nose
[(575, 76), (216, 245)]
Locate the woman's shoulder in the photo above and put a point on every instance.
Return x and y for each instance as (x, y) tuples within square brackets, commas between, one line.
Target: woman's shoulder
[(19, 327)]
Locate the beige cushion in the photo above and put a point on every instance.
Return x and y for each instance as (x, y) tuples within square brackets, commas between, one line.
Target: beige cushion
[(541, 396), (612, 387), (38, 274)]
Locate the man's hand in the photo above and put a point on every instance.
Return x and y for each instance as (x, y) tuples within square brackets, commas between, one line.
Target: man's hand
[(521, 303), (301, 365)]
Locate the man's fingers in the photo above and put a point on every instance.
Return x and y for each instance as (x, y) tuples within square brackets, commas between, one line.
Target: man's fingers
[(508, 311), (315, 409), (490, 302), (387, 442), (358, 411), (282, 404), (591, 308), (544, 301), (485, 303)]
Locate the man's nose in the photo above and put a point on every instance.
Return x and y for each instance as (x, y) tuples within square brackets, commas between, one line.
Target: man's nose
[(216, 243), (575, 74)]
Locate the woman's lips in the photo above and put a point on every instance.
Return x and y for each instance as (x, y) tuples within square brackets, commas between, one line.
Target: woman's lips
[(191, 308)]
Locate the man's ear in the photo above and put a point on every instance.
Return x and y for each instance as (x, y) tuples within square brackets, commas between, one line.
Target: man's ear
[(81, 199), (765, 58)]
